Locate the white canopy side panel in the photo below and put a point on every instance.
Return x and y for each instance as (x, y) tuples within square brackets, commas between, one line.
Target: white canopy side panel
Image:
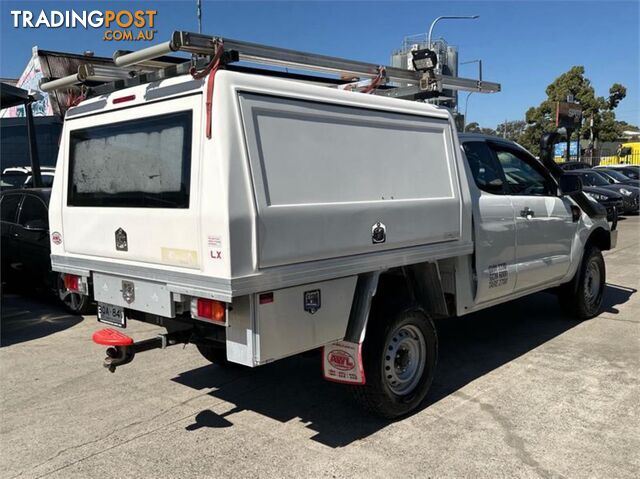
[(324, 176)]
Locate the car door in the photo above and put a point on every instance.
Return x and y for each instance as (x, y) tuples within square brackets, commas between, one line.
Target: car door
[(9, 212), (545, 227), (494, 224), (33, 235)]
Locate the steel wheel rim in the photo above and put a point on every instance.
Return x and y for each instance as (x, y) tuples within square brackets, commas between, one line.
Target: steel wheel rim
[(592, 283), (404, 361), (71, 300)]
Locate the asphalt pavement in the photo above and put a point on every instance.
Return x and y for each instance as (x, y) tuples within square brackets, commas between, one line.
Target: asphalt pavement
[(520, 391)]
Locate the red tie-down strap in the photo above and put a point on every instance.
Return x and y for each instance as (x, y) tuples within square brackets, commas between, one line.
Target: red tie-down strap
[(211, 69), (74, 98), (377, 81)]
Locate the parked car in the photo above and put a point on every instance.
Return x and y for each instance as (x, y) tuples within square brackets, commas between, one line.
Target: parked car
[(611, 200), (25, 245), (630, 194), (21, 177), (632, 171), (614, 176), (574, 165)]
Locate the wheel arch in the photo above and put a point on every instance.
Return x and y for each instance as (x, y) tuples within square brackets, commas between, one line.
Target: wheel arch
[(417, 286), (600, 238)]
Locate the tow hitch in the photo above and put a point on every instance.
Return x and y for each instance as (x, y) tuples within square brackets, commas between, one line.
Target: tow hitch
[(122, 349)]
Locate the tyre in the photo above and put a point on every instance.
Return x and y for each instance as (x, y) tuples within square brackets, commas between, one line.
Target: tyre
[(215, 354), (582, 297), (399, 357), (74, 303)]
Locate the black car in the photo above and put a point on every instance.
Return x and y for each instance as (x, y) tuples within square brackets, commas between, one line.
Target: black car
[(632, 171), (630, 194), (24, 220), (609, 199), (21, 177), (615, 176), (574, 165)]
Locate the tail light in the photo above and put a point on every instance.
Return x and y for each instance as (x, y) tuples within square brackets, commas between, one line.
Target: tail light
[(208, 309), (72, 282)]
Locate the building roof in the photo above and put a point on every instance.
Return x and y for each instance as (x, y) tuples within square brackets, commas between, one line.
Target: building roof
[(12, 96)]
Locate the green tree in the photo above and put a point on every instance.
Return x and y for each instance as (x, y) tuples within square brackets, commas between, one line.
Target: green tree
[(599, 123), (622, 126), (512, 130), (474, 127)]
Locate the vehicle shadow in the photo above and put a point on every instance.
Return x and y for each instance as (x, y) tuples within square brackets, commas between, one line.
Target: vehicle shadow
[(469, 347), (28, 316), (615, 295)]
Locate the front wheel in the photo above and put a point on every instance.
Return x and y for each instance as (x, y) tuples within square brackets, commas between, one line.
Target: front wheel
[(582, 297), (399, 357)]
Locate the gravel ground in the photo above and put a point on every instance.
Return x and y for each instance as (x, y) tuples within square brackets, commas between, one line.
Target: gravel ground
[(520, 391)]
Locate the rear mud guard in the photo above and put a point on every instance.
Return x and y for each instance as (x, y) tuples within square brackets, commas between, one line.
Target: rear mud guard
[(342, 360)]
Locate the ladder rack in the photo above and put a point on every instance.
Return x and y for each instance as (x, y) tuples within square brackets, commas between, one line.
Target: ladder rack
[(147, 65)]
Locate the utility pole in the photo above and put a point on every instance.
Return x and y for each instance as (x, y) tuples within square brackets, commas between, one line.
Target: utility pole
[(466, 106), (466, 103), (199, 14), (569, 131), (33, 142)]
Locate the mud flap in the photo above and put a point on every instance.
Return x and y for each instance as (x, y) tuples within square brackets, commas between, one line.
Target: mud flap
[(342, 362)]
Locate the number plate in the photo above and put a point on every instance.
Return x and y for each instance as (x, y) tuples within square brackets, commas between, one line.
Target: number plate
[(111, 314)]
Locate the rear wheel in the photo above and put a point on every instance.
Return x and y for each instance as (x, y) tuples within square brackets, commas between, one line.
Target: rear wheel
[(215, 354), (399, 357), (582, 297), (74, 303)]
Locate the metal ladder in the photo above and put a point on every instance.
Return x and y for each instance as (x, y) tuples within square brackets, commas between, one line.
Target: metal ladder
[(152, 64)]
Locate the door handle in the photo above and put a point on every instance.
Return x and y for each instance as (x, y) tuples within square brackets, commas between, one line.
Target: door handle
[(527, 213)]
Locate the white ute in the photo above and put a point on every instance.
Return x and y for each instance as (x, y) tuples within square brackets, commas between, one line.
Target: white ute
[(259, 214)]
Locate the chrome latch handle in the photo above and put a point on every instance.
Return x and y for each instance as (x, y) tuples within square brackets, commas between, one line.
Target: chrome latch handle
[(527, 213)]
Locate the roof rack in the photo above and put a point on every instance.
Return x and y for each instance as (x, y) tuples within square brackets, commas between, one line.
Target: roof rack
[(151, 64)]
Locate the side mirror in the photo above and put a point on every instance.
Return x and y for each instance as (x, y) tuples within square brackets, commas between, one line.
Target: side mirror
[(36, 225), (570, 184)]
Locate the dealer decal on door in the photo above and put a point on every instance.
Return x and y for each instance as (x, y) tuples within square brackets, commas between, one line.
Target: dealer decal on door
[(498, 275)]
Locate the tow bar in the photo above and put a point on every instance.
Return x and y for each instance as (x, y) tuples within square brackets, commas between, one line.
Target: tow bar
[(122, 348)]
